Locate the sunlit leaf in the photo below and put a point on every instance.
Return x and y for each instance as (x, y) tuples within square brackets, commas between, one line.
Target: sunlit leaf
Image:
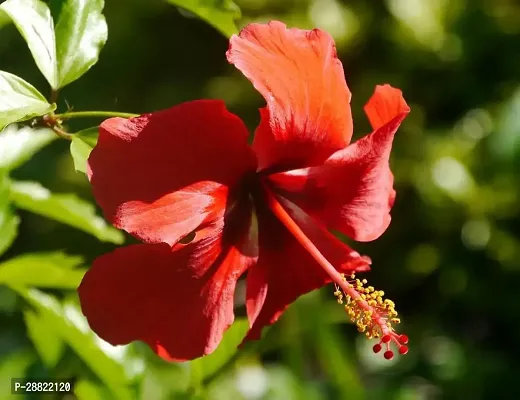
[(17, 146), (204, 367), (81, 32), (73, 329), (65, 52), (4, 19), (88, 390), (82, 144), (66, 208), (34, 21), (20, 101), (56, 258), (8, 220), (13, 365), (219, 13), (48, 345), (53, 270), (8, 228)]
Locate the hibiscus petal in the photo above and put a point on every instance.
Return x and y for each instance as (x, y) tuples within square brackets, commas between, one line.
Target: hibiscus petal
[(179, 301), (353, 190), (308, 102), (285, 271), (386, 104), (161, 175)]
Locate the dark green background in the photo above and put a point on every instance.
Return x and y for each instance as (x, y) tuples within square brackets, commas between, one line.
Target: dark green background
[(451, 257)]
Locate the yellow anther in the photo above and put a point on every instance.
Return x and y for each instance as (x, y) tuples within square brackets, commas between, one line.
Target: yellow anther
[(368, 310)]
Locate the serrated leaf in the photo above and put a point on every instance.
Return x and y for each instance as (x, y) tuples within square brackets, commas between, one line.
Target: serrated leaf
[(219, 13), (49, 270), (81, 145), (73, 329), (81, 32), (48, 345), (20, 101), (203, 367), (8, 220), (18, 145), (65, 208), (34, 22)]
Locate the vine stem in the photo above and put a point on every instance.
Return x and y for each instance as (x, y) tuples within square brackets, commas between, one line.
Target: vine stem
[(93, 114)]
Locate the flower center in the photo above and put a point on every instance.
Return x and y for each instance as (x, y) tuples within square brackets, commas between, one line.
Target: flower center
[(364, 305)]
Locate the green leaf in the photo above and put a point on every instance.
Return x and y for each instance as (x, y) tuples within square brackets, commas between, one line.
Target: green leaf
[(8, 229), (8, 220), (56, 258), (81, 33), (332, 351), (65, 208), (65, 52), (204, 367), (88, 390), (20, 101), (18, 145), (219, 13), (13, 365), (82, 144), (48, 345), (337, 362), (68, 322), (34, 22), (50, 270), (4, 19)]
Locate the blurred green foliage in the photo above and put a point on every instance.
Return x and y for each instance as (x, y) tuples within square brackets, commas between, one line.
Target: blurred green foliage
[(450, 260)]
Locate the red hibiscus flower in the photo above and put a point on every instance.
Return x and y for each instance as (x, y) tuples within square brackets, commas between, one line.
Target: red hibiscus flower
[(209, 207)]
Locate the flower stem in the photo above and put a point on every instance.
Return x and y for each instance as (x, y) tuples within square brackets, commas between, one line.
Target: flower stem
[(93, 114), (61, 133), (309, 246), (53, 98)]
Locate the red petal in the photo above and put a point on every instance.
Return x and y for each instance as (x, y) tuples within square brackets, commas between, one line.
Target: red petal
[(352, 191), (386, 104), (179, 301), (161, 175), (285, 271), (308, 102)]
